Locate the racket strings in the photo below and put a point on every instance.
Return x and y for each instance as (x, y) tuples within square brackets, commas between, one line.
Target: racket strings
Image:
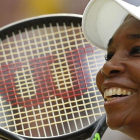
[(37, 43), (48, 75), (41, 79), (71, 84), (47, 36), (54, 106)]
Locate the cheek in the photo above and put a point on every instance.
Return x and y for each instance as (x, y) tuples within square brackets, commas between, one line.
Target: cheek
[(99, 80), (134, 71)]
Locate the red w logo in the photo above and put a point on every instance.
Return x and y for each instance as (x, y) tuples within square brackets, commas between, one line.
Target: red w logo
[(34, 82)]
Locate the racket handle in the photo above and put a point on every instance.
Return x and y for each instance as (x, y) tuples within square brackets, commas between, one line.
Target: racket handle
[(100, 129)]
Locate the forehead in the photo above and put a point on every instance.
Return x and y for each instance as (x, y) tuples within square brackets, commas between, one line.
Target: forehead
[(130, 29)]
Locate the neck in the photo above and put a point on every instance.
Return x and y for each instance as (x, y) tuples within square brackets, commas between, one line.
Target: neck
[(133, 131)]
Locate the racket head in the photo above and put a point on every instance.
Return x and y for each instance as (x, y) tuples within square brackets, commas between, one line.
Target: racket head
[(24, 37)]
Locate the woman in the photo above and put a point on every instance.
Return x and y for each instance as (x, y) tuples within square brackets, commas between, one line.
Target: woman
[(117, 30)]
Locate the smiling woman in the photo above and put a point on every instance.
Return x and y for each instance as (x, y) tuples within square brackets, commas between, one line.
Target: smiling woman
[(121, 73), (116, 28)]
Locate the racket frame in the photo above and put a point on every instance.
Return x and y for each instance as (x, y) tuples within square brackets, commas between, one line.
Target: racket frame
[(39, 20)]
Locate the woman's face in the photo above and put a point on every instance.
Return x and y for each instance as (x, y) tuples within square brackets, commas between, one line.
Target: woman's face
[(119, 79)]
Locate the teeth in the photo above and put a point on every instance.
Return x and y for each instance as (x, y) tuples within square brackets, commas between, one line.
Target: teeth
[(105, 94), (110, 99), (129, 93), (119, 91), (110, 92), (115, 91), (124, 92)]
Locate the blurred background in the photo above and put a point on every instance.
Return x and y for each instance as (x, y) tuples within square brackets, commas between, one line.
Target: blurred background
[(14, 10)]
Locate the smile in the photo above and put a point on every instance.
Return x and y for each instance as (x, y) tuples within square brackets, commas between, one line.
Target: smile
[(113, 93)]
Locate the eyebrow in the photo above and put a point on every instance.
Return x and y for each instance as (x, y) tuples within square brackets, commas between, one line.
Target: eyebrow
[(133, 36), (129, 36)]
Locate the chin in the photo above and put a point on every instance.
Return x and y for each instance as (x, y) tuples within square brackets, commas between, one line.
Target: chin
[(115, 121)]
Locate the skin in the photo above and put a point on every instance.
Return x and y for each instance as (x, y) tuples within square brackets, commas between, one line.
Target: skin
[(122, 69)]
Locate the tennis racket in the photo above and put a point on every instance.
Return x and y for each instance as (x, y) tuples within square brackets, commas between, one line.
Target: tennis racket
[(47, 80)]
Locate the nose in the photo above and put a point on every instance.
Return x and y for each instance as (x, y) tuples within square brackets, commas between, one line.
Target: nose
[(113, 67)]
